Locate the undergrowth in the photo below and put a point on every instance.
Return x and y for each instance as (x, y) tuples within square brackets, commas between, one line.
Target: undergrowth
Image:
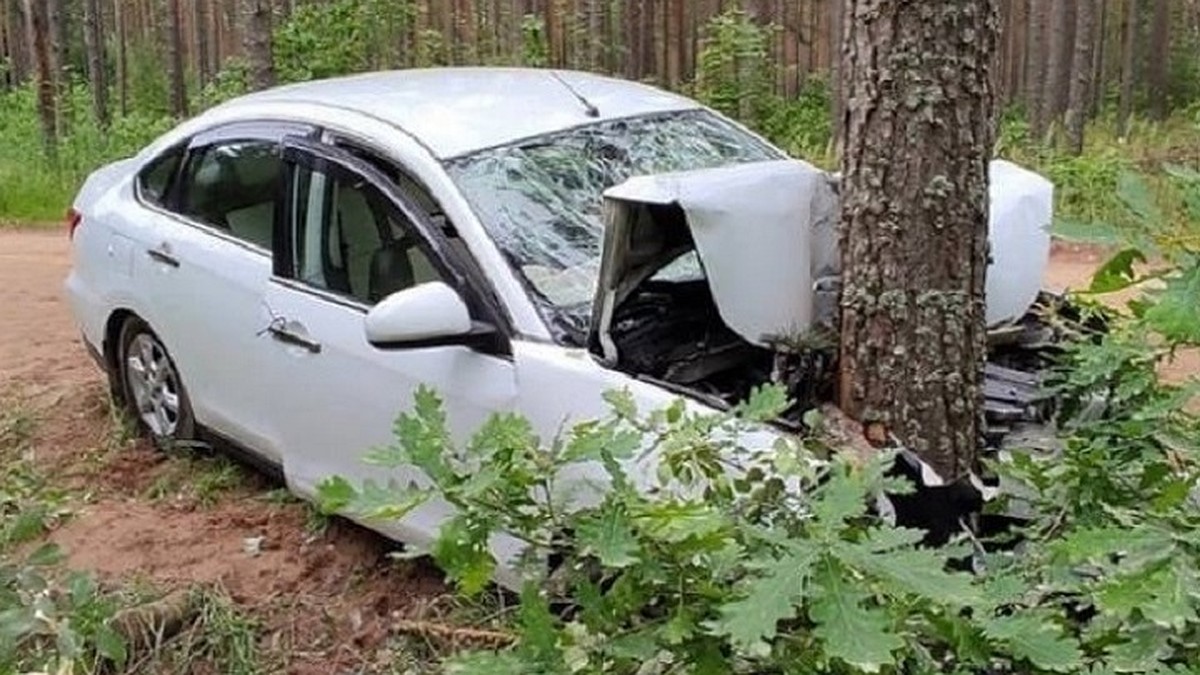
[(701, 546)]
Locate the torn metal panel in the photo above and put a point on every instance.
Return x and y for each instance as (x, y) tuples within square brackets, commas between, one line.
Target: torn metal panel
[(1022, 206), (765, 239), (763, 233)]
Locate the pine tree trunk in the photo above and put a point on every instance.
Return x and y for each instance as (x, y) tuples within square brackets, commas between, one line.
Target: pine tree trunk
[(200, 23), (1060, 59), (1158, 63), (1100, 55), (257, 14), (37, 31), (93, 39), (915, 223), (175, 70), (16, 41), (57, 32), (838, 18), (122, 57), (1080, 94), (1129, 45), (1036, 65)]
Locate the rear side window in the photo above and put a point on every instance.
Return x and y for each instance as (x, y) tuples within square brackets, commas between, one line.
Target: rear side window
[(234, 186), (155, 179)]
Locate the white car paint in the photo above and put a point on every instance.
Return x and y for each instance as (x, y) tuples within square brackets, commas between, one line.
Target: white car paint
[(314, 406)]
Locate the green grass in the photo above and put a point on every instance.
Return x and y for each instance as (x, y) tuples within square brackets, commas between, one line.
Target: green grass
[(37, 189)]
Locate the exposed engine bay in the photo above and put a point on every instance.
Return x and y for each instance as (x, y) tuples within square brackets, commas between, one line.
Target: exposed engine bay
[(695, 289)]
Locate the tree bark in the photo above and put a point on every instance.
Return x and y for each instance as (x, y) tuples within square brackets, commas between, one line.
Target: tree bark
[(258, 43), (1036, 65), (1059, 59), (204, 67), (122, 57), (1080, 95), (176, 74), (1129, 44), (920, 125), (1158, 62), (838, 18), (93, 39), (38, 38)]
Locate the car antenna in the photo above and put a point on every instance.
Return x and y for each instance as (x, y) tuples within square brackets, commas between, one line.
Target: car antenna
[(588, 106)]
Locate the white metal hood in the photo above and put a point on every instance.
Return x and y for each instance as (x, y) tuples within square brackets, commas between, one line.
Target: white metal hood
[(766, 235)]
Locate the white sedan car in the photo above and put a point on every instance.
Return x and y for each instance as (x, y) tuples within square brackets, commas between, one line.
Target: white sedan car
[(281, 272)]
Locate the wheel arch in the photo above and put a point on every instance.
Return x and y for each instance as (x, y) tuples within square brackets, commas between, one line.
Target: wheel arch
[(112, 341)]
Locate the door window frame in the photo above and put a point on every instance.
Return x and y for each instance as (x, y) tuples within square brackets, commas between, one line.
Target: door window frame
[(308, 153), (264, 130)]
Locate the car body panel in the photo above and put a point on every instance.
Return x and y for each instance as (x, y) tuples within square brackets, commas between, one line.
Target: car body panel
[(443, 107)]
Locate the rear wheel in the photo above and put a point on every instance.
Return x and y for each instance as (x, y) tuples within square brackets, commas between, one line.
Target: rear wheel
[(153, 390)]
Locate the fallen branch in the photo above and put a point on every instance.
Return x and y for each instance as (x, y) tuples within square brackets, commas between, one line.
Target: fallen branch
[(149, 626), (455, 635)]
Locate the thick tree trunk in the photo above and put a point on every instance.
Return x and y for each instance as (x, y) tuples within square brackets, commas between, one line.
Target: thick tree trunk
[(1129, 44), (177, 76), (1080, 94), (257, 43), (1158, 62), (93, 39), (38, 38), (920, 124)]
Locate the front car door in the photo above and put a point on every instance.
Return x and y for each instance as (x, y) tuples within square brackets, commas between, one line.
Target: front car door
[(349, 238)]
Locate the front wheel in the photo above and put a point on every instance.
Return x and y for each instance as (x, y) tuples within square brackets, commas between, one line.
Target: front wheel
[(153, 390)]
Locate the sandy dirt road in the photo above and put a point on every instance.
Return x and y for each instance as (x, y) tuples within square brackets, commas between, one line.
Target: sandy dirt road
[(326, 600)]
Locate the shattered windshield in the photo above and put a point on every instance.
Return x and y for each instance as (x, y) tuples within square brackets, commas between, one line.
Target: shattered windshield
[(541, 199)]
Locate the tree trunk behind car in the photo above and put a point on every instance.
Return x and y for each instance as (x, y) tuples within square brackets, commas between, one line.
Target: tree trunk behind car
[(917, 136)]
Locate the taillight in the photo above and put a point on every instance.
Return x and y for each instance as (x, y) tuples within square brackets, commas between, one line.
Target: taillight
[(74, 220)]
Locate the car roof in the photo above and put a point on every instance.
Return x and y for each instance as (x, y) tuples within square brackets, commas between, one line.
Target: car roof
[(457, 111)]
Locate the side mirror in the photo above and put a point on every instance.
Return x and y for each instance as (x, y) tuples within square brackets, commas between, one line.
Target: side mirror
[(429, 315)]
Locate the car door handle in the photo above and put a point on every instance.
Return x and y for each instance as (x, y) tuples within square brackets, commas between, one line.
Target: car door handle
[(159, 255), (288, 337)]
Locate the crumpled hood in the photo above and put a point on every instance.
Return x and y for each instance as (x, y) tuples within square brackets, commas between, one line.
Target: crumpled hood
[(766, 235)]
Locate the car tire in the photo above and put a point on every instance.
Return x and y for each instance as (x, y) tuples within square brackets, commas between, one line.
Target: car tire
[(152, 387)]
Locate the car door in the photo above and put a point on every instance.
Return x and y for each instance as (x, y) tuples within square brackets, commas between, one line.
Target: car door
[(203, 267), (350, 239)]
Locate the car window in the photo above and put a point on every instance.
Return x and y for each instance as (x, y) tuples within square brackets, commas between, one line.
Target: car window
[(233, 186), (154, 180), (348, 238)]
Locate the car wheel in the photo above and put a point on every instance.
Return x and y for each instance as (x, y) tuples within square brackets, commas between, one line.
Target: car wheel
[(153, 390)]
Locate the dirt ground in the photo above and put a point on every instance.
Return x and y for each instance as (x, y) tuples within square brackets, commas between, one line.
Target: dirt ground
[(327, 599)]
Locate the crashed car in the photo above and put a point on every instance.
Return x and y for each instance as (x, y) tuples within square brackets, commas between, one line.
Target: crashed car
[(282, 272)]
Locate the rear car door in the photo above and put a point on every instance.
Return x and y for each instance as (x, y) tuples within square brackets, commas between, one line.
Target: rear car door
[(204, 261), (351, 238)]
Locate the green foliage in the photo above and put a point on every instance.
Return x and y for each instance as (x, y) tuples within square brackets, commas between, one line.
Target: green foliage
[(734, 74), (39, 189), (50, 624), (734, 557), (322, 40), (535, 49)]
